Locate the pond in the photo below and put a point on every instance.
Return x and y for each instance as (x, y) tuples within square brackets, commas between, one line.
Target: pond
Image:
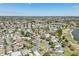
[(75, 34)]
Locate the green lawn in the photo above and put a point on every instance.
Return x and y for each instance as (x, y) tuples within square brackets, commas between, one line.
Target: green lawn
[(43, 46), (67, 51), (66, 33)]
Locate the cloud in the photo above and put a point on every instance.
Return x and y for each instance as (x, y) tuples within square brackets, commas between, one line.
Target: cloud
[(14, 12), (10, 12)]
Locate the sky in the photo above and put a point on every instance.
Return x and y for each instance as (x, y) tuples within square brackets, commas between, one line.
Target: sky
[(39, 9)]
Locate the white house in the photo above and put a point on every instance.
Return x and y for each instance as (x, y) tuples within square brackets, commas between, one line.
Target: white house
[(37, 53), (17, 53), (47, 35), (59, 48), (53, 39)]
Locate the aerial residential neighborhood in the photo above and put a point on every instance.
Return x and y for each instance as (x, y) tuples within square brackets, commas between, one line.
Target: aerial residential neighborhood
[(38, 36), (39, 29)]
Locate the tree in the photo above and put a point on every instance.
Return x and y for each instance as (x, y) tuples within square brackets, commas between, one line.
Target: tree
[(50, 43), (30, 46), (47, 54), (64, 44), (59, 32), (40, 49), (53, 45), (27, 34), (74, 55), (59, 40), (63, 37), (66, 40), (48, 39)]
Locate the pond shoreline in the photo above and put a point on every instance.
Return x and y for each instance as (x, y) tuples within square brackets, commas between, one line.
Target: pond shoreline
[(74, 34), (71, 30)]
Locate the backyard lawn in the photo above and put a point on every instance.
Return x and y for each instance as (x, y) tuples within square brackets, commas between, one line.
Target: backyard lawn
[(43, 47)]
